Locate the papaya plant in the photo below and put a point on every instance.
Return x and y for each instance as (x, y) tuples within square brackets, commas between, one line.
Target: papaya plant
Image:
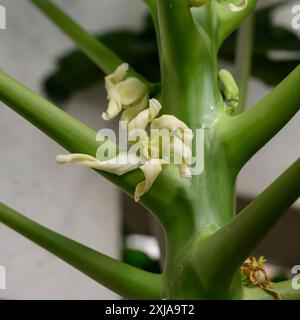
[(208, 245), (74, 71)]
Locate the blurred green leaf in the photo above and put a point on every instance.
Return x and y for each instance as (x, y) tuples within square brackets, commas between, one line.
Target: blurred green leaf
[(75, 71)]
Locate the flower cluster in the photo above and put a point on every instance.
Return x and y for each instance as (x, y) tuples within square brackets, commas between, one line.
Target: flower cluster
[(169, 142)]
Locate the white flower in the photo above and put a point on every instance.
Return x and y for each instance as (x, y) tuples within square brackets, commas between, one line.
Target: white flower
[(175, 125), (171, 150), (130, 93), (124, 162), (151, 170), (182, 154), (132, 96), (130, 112), (144, 118)]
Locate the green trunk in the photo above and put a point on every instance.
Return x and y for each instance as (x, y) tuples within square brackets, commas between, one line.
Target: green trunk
[(204, 204)]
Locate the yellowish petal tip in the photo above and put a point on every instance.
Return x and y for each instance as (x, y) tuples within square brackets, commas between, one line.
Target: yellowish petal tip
[(151, 170), (61, 159), (124, 66), (105, 116), (136, 196)]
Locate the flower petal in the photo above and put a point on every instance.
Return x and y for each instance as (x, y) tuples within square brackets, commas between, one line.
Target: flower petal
[(151, 170), (173, 124), (124, 162), (131, 90), (143, 118), (126, 93), (115, 101), (150, 147), (181, 151), (117, 76), (182, 155), (131, 112), (113, 109)]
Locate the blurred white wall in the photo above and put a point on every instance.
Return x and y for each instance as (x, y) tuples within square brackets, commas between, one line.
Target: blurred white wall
[(31, 182), (72, 200)]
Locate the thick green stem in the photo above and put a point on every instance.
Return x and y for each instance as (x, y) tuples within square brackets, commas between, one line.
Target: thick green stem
[(187, 75), (123, 279), (176, 27), (217, 259), (243, 60), (248, 132), (190, 92), (101, 55), (58, 125)]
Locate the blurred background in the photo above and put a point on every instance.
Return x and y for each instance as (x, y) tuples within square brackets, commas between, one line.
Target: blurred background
[(76, 202)]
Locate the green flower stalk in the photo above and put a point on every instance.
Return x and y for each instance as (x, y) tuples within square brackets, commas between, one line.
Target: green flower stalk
[(207, 242)]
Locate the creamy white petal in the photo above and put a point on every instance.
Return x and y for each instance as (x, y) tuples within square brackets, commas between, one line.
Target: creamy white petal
[(173, 124), (117, 76), (113, 96), (113, 109), (150, 148), (122, 94), (131, 90), (145, 147), (151, 170), (130, 112), (137, 136), (143, 118), (238, 8), (181, 151), (119, 165), (182, 155)]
